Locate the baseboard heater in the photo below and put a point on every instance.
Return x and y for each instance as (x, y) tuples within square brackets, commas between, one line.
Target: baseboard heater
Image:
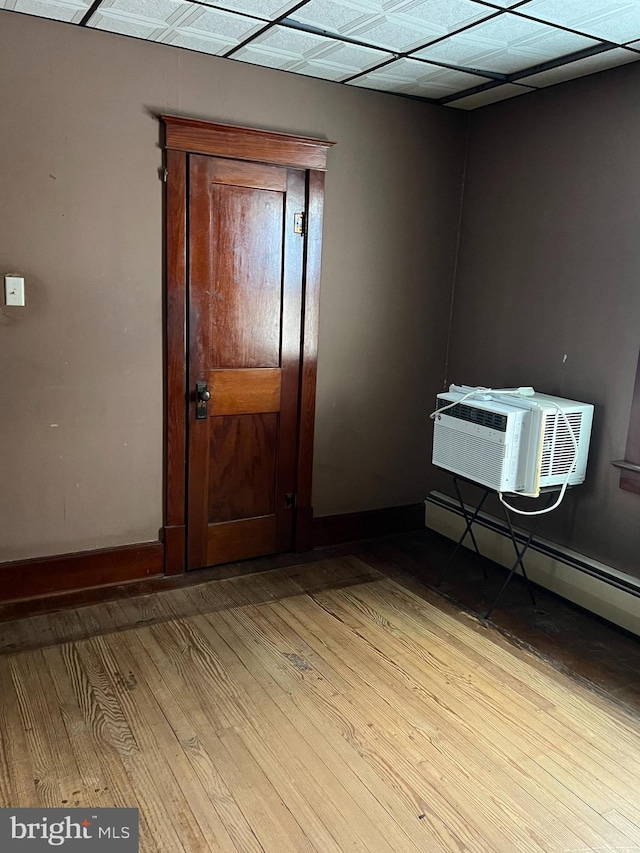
[(548, 561)]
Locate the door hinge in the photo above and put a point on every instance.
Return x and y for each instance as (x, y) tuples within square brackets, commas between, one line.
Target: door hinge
[(299, 223), (290, 500), (165, 175)]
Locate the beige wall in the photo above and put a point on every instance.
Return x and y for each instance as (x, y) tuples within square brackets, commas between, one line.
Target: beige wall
[(548, 285), (81, 219)]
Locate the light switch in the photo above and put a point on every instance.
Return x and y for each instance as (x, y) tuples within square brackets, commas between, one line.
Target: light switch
[(13, 290)]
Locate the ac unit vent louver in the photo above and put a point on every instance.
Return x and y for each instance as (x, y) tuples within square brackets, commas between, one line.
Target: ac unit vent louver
[(476, 416), (558, 452), (482, 460)]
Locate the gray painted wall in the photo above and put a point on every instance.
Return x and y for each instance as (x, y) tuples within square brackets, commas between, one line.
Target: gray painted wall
[(548, 267), (81, 219), (548, 285)]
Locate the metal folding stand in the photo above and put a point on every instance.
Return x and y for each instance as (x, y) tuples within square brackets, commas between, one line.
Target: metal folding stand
[(471, 516)]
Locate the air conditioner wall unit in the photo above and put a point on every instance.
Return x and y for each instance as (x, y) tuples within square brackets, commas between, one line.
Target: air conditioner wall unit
[(511, 442)]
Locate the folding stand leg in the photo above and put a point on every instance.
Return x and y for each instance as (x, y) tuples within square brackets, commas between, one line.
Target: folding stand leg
[(520, 552), (469, 518)]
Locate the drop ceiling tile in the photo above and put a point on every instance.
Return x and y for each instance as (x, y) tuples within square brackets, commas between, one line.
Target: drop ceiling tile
[(339, 17), (196, 41), (489, 96), (397, 25), (581, 67), (145, 13), (410, 77), (268, 10), (442, 17), (72, 11), (126, 26), (282, 47), (391, 32), (176, 22), (613, 20), (340, 61), (215, 27), (505, 44)]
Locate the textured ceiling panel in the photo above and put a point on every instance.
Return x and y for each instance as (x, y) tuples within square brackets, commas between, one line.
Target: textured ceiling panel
[(410, 77), (72, 11), (280, 47), (333, 16), (505, 44), (395, 25), (438, 50), (489, 96), (443, 16), (176, 22), (154, 10), (612, 20), (341, 61), (130, 17), (392, 32), (581, 67), (127, 26), (215, 26), (266, 9)]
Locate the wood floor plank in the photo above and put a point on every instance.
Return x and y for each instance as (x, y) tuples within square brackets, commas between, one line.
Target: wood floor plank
[(197, 824), (582, 813), (20, 634), (172, 699), (18, 784), (394, 735), (338, 766), (100, 772), (285, 755), (55, 771), (575, 704), (103, 707), (314, 708), (165, 765), (445, 829), (333, 753), (631, 828), (562, 738), (264, 812)]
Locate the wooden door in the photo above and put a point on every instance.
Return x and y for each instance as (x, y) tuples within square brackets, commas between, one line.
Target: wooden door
[(233, 320), (245, 316)]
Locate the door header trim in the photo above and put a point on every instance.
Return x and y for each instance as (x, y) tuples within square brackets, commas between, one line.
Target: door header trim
[(244, 143)]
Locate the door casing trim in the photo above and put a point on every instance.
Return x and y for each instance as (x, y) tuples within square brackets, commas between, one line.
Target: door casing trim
[(182, 137)]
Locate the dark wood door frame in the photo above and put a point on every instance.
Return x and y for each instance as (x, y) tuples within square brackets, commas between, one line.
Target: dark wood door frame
[(188, 136)]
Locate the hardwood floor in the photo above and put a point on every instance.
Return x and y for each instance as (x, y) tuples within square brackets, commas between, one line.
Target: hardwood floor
[(323, 707)]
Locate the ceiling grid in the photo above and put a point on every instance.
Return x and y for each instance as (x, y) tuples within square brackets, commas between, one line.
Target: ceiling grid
[(459, 53)]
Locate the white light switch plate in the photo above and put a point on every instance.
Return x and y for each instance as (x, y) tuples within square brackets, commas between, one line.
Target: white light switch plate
[(13, 290)]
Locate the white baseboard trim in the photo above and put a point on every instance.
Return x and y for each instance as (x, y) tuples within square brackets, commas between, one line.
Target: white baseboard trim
[(595, 586)]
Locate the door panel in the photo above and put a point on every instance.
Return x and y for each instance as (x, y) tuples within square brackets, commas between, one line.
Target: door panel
[(240, 540), (240, 174), (240, 392), (245, 316), (243, 263), (243, 466)]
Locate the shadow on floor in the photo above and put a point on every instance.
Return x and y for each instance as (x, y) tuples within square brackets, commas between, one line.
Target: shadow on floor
[(569, 637), (599, 654)]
